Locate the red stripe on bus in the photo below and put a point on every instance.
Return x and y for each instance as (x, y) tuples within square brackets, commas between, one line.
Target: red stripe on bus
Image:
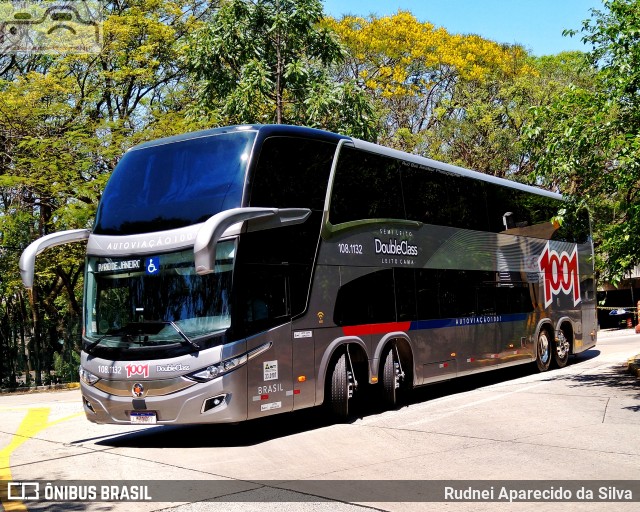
[(364, 329)]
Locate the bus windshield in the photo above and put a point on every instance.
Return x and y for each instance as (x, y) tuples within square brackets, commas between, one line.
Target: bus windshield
[(157, 300), (172, 185)]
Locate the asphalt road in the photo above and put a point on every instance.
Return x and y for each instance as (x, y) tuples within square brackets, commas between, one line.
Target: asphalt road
[(554, 432)]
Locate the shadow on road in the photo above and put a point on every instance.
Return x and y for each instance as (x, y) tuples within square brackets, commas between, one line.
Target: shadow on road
[(247, 433), (615, 377), (261, 430)]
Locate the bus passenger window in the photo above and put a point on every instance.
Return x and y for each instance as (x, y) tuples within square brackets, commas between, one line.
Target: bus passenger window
[(366, 300)]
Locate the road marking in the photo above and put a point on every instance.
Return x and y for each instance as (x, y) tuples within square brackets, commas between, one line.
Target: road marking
[(34, 422)]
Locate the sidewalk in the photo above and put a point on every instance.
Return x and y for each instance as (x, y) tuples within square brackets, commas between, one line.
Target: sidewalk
[(633, 363), (615, 333)]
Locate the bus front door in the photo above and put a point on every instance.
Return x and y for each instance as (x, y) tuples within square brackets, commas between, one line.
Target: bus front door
[(267, 318)]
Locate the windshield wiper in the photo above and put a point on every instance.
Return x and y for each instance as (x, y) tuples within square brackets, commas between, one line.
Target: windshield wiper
[(115, 333), (154, 327), (133, 329), (183, 335)]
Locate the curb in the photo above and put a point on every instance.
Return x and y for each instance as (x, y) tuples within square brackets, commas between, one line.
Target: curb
[(40, 389), (615, 333), (633, 366)]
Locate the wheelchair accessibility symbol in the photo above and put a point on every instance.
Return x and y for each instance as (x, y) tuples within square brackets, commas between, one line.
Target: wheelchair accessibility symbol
[(152, 265)]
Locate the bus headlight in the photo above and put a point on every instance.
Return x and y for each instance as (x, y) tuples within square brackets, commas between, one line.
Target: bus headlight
[(227, 365), (219, 369), (87, 377)]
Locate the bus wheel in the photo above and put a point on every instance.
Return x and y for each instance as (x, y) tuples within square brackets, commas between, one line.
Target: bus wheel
[(341, 388), (543, 351), (390, 378), (561, 350)]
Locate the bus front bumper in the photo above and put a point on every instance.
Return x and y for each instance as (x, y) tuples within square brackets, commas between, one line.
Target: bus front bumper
[(222, 400)]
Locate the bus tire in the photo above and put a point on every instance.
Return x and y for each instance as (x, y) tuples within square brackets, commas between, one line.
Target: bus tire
[(390, 379), (561, 349), (544, 347), (339, 388)]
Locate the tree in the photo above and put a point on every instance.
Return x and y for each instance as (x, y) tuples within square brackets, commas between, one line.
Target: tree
[(65, 120), (481, 125), (457, 98), (587, 141), (267, 61)]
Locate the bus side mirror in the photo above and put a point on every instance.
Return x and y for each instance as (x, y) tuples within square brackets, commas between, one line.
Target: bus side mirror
[(28, 257), (204, 248)]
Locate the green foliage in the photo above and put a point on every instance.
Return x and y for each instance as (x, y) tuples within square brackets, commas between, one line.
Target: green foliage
[(66, 370), (458, 98), (585, 141), (486, 133), (65, 120), (267, 61), (172, 66)]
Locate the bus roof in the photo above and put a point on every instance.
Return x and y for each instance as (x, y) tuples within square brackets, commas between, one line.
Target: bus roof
[(265, 130)]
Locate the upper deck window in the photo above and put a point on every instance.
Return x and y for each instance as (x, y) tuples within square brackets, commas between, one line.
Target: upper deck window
[(375, 186), (366, 186), (176, 184), (292, 172)]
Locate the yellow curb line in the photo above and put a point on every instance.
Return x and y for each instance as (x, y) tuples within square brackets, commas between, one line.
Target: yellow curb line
[(36, 420)]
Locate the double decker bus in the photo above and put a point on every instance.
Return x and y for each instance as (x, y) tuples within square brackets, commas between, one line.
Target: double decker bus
[(241, 272)]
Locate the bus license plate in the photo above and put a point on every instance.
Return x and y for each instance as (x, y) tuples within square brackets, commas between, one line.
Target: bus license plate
[(143, 418)]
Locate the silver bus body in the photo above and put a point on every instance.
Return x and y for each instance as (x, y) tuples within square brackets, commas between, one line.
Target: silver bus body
[(393, 303)]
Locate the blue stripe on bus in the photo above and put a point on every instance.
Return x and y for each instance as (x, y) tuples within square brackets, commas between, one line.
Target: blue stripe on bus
[(469, 320)]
